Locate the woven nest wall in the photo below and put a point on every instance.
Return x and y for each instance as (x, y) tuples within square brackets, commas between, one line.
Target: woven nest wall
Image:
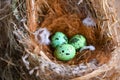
[(67, 16)]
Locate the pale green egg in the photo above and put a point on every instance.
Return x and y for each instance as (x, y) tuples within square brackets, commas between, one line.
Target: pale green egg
[(78, 41), (58, 39), (65, 52)]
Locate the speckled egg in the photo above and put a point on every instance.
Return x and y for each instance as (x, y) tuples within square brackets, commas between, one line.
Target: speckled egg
[(78, 41), (65, 52), (58, 38)]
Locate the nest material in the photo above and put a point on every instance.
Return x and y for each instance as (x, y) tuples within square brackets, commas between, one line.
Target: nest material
[(68, 16)]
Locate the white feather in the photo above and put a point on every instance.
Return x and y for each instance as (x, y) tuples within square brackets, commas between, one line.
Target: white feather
[(88, 21), (25, 61), (43, 35), (90, 47)]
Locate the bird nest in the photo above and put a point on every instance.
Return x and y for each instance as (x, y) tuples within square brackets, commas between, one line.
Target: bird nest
[(96, 20)]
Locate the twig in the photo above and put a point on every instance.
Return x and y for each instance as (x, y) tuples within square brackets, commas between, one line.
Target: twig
[(9, 62), (32, 14)]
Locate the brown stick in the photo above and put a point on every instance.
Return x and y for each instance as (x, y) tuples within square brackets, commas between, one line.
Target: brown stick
[(32, 15)]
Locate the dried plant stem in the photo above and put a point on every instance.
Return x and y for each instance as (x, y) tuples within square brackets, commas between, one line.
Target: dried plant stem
[(32, 15), (94, 73), (43, 55)]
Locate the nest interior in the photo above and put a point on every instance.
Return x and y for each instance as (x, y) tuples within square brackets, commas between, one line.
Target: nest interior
[(67, 16)]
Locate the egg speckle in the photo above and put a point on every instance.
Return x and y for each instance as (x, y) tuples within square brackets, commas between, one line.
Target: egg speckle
[(78, 41), (65, 52), (58, 39)]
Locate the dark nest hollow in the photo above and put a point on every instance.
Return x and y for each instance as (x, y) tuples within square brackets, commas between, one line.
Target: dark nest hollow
[(22, 57)]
